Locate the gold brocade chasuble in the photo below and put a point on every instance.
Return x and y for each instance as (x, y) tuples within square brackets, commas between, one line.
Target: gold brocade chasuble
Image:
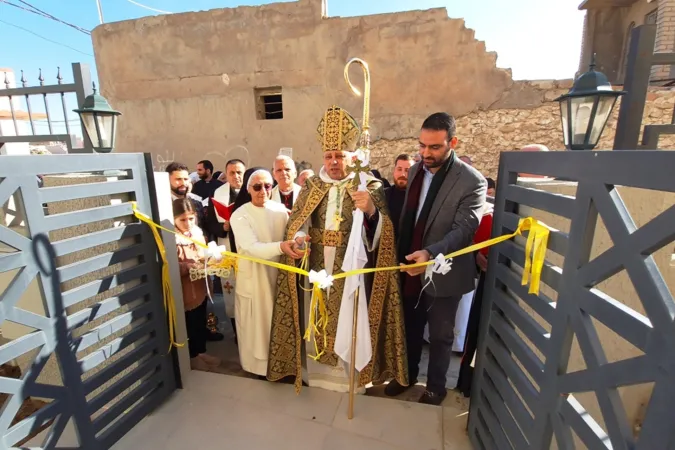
[(385, 311)]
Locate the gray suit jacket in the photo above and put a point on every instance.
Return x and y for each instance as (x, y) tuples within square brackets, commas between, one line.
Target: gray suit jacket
[(452, 223)]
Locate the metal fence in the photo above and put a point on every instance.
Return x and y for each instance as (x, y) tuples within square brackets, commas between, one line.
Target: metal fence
[(526, 394), (32, 96), (81, 309)]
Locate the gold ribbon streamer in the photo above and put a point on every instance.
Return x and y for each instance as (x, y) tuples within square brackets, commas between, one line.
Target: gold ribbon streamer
[(167, 289), (535, 254), (317, 305)]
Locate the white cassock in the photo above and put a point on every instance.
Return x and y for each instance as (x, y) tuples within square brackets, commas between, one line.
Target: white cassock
[(259, 232), (277, 197), (222, 196), (462, 320), (315, 374)]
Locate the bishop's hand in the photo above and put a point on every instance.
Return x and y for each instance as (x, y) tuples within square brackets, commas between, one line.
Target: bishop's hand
[(301, 243), (364, 202), (290, 248)]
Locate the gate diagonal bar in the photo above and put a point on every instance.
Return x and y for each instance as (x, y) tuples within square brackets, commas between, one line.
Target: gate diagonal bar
[(530, 386), (84, 331)]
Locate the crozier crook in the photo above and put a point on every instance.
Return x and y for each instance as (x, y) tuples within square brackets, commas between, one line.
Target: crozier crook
[(364, 142)]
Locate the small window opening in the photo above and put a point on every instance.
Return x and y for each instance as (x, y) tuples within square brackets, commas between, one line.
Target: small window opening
[(269, 103)]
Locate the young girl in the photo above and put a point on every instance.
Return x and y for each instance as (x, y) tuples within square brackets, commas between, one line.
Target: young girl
[(194, 292)]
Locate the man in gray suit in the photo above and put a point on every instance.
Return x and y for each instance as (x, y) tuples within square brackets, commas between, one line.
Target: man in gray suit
[(443, 207)]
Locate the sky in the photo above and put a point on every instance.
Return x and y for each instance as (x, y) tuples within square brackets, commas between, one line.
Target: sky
[(536, 39)]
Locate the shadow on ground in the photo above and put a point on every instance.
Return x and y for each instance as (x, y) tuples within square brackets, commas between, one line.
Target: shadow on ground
[(227, 351)]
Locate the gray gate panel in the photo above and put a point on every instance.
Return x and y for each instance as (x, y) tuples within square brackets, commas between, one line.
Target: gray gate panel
[(503, 394), (104, 318)]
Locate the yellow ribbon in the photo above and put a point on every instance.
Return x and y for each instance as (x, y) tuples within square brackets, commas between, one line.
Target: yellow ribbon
[(317, 325), (167, 289), (316, 305), (535, 254)]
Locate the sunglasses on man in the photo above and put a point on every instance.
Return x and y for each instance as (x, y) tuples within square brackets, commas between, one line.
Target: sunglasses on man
[(257, 187)]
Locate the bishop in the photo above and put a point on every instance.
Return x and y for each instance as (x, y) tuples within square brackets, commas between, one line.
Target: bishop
[(324, 210)]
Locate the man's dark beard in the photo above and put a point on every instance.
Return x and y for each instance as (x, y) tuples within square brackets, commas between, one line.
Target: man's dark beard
[(436, 164), (405, 183), (204, 176), (180, 191)]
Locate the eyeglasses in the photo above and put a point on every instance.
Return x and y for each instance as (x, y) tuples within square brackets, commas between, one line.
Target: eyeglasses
[(258, 187)]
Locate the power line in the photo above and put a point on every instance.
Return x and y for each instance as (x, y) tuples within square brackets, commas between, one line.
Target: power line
[(41, 13), (46, 39), (46, 14), (149, 8)]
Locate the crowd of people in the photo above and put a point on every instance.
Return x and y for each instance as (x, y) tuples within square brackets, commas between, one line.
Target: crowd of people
[(435, 205)]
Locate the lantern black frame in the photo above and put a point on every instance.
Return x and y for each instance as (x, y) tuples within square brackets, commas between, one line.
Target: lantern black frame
[(590, 84)]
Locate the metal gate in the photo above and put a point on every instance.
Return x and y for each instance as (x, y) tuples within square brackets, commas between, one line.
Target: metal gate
[(85, 350), (526, 394)]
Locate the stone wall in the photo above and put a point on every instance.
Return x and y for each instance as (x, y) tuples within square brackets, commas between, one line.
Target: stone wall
[(529, 117), (185, 83)]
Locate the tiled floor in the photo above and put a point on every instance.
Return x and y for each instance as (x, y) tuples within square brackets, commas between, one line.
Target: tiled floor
[(218, 411)]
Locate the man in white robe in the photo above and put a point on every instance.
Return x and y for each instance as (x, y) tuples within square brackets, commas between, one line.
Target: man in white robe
[(259, 227), (219, 227)]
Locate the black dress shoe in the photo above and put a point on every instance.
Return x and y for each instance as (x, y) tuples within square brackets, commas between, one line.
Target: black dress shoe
[(433, 398), (394, 388), (214, 336)]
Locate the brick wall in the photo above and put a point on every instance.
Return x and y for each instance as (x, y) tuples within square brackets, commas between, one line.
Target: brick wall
[(665, 36)]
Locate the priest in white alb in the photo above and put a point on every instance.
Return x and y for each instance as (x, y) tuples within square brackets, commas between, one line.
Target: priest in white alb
[(259, 227), (285, 173), (218, 225)]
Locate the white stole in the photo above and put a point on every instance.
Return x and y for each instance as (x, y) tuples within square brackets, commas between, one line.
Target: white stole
[(356, 257), (276, 193)]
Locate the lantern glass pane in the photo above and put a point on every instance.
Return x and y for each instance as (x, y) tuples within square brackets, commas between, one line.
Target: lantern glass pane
[(114, 131), (90, 128), (605, 105), (581, 116), (105, 127), (563, 116)]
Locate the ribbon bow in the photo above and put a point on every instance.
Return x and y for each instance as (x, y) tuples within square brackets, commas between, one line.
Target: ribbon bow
[(215, 251), (318, 313), (320, 279), (440, 265)]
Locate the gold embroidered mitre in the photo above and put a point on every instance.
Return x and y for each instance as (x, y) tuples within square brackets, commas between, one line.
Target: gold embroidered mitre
[(338, 130)]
